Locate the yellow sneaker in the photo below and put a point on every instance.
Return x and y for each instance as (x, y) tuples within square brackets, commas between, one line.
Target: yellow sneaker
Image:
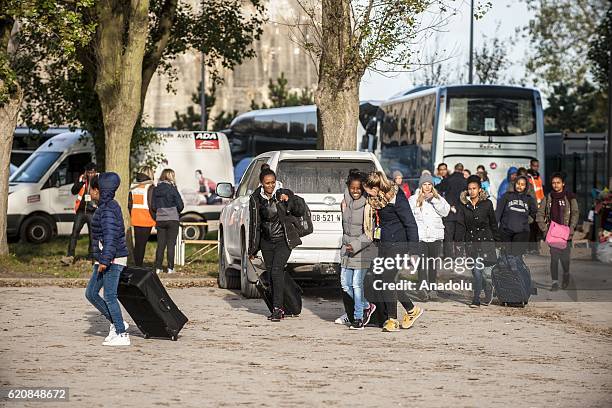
[(391, 325), (410, 318)]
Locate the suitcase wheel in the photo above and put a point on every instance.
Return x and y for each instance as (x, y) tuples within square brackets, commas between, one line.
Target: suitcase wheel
[(146, 335), (174, 338)]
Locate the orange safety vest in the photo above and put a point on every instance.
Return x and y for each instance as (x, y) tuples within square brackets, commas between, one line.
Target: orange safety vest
[(537, 187), (141, 217), (81, 195)]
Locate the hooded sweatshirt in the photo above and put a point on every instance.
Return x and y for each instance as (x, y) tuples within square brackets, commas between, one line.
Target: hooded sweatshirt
[(353, 233), (503, 187), (107, 228), (167, 202), (515, 211)]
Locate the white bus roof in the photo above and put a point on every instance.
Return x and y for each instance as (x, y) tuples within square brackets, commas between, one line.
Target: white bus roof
[(319, 154), (416, 92)]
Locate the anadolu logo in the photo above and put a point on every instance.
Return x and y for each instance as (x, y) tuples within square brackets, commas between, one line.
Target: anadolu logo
[(206, 140)]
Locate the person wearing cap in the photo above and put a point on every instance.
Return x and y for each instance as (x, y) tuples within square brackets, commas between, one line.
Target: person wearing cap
[(516, 210), (142, 216), (429, 209), (110, 255), (84, 208), (477, 229), (398, 178)]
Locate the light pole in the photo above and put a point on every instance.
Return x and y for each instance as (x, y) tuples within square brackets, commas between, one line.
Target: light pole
[(609, 141), (203, 96), (471, 73)]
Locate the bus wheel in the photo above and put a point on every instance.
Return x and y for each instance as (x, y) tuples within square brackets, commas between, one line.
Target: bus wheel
[(37, 230), (194, 232)]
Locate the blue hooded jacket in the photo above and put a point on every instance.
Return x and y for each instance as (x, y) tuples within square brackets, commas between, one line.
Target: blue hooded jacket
[(503, 187), (107, 226)]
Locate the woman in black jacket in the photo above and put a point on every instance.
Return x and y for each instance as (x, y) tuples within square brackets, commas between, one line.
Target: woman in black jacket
[(272, 230), (477, 228), (167, 205), (398, 234), (515, 211)]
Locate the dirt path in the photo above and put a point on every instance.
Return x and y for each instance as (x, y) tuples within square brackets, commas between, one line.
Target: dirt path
[(230, 355)]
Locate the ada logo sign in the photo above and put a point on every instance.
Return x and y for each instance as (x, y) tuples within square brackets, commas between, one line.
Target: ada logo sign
[(206, 141)]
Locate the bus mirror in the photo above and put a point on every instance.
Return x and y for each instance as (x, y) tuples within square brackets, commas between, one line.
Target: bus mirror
[(225, 190)]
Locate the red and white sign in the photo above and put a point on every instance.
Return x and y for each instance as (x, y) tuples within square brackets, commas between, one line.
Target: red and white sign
[(206, 141)]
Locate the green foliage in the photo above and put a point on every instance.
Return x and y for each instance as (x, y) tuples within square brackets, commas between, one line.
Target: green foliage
[(142, 152), (192, 118), (280, 95), (575, 110), (58, 27), (600, 49), (560, 32), (490, 61)]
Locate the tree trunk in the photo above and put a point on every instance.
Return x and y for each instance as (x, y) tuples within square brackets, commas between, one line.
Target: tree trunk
[(120, 50), (340, 70), (8, 120), (337, 115)]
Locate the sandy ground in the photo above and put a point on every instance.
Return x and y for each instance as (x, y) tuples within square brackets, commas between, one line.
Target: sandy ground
[(549, 354)]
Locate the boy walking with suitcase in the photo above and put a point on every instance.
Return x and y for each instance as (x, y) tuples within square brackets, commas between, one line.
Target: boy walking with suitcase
[(110, 255)]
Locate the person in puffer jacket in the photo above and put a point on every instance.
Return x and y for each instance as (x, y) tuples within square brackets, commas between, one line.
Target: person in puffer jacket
[(429, 209), (110, 254), (357, 251), (507, 184), (515, 211)]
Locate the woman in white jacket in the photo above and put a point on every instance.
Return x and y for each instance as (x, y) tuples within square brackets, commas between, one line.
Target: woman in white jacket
[(429, 208)]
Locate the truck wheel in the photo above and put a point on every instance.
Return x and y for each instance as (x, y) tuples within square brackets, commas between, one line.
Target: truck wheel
[(248, 289), (37, 230), (194, 232), (228, 277)]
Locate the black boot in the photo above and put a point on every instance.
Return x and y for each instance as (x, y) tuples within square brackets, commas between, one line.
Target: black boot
[(565, 281)]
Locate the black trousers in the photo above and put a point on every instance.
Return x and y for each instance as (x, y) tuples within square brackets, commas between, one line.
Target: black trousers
[(390, 250), (167, 232), (515, 243), (141, 236), (275, 255), (449, 238), (557, 255), (81, 218), (428, 268)]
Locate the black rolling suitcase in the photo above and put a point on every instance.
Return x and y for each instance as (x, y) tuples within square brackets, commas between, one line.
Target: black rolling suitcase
[(512, 281), (292, 304), (145, 299)]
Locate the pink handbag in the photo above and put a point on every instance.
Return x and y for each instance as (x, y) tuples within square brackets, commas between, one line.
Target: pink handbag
[(557, 235)]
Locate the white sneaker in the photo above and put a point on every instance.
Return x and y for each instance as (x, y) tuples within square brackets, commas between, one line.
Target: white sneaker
[(170, 270), (343, 320), (158, 271), (122, 339), (112, 332)]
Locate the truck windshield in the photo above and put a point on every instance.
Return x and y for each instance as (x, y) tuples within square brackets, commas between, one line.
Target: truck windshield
[(36, 167), (318, 176)]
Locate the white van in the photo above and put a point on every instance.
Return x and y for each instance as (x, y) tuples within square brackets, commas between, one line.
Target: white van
[(41, 204)]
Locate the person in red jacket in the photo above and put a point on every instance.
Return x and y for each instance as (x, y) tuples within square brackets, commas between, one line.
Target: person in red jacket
[(398, 177)]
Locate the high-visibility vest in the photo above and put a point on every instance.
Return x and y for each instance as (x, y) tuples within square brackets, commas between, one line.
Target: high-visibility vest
[(81, 195), (537, 187), (141, 217)]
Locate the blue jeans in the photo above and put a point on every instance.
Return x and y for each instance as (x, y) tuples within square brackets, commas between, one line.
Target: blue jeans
[(480, 280), (109, 306), (352, 283)]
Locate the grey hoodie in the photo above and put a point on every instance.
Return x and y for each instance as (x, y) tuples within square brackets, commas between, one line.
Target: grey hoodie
[(352, 233)]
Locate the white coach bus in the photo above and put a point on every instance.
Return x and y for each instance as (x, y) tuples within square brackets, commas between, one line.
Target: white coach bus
[(496, 126)]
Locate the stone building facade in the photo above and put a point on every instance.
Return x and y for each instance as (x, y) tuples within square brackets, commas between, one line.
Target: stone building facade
[(276, 54)]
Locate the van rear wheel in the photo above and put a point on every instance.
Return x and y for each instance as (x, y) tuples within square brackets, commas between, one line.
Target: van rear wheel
[(37, 230), (194, 232)]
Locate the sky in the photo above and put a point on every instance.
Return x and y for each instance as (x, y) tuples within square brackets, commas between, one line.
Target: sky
[(453, 42)]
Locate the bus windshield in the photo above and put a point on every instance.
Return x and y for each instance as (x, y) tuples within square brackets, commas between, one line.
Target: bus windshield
[(36, 167), (490, 115)]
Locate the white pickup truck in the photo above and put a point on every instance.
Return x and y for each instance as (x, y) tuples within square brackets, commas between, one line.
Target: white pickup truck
[(319, 177)]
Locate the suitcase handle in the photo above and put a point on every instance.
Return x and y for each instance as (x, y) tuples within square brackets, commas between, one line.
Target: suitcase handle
[(163, 303)]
